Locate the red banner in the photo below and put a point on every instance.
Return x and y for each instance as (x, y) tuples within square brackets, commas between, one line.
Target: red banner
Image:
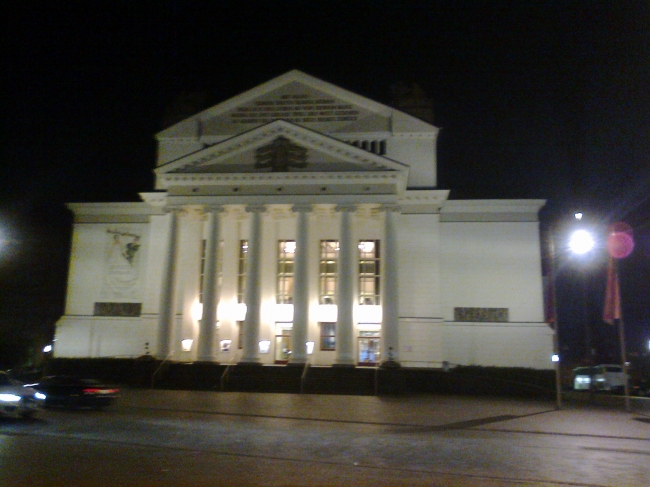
[(612, 311)]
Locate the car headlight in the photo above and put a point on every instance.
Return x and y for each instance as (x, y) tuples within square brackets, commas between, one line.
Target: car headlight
[(9, 398), (40, 395)]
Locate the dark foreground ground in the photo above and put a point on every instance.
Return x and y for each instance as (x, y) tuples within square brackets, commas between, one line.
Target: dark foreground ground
[(195, 439)]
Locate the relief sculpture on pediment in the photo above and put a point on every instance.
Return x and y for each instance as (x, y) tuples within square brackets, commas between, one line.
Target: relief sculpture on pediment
[(280, 156)]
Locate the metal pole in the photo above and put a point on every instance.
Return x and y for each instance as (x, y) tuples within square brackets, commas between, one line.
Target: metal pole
[(558, 375), (621, 336), (556, 325)]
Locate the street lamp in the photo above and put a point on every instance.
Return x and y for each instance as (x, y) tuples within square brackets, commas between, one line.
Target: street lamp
[(580, 242)]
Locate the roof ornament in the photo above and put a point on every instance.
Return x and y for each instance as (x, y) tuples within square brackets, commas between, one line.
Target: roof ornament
[(280, 155)]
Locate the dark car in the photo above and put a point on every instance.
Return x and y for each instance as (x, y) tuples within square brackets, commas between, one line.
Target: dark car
[(641, 388), (74, 392), (17, 399)]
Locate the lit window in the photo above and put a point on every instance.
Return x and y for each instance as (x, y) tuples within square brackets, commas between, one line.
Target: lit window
[(241, 271), (240, 337), (328, 336), (202, 276), (202, 270), (327, 272), (286, 254), (369, 267)]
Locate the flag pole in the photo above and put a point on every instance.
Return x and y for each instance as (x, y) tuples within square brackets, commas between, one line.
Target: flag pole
[(621, 337), (613, 314), (621, 334)]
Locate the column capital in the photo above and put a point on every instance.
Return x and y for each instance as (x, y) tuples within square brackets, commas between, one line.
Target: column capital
[(173, 209), (302, 208), (392, 207), (256, 209), (213, 209), (346, 207)]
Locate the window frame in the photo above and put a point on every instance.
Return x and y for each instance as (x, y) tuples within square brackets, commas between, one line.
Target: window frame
[(369, 278)]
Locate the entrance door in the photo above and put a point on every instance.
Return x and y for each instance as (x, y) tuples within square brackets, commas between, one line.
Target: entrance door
[(282, 348), (368, 348)]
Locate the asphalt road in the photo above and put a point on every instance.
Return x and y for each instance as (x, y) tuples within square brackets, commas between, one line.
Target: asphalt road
[(195, 439)]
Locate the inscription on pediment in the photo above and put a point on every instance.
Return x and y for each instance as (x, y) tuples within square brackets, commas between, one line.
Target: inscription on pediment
[(295, 108)]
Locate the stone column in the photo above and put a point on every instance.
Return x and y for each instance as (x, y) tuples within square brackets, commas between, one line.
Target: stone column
[(301, 286), (390, 294), (168, 288), (345, 289), (210, 296), (253, 298)]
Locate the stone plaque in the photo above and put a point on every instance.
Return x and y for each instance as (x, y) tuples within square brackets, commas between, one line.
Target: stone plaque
[(118, 309), (496, 315)]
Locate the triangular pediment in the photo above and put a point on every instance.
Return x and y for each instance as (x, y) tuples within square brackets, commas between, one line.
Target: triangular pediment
[(241, 154), (298, 98)]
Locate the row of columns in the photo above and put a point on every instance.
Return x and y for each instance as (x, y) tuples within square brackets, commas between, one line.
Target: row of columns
[(345, 355)]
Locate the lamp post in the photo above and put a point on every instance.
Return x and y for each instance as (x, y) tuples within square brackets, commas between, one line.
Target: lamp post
[(580, 242), (551, 318)]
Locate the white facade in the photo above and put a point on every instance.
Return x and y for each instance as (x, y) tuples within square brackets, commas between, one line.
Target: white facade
[(300, 161)]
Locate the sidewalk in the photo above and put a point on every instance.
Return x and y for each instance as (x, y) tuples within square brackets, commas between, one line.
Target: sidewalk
[(432, 412)]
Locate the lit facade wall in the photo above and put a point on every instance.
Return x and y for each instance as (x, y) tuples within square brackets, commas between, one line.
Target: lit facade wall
[(482, 257)]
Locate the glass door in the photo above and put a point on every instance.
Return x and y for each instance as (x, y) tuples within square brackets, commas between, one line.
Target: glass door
[(368, 348), (282, 342)]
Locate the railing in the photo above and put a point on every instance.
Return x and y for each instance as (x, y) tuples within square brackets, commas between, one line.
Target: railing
[(303, 378), (159, 369), (224, 378)]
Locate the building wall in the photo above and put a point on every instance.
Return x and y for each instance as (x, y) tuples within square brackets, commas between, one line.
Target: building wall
[(419, 153), (494, 265), (451, 254), (441, 266)]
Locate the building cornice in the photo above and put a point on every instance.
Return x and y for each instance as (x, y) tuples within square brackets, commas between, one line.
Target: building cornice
[(491, 210), (423, 201), (112, 212)]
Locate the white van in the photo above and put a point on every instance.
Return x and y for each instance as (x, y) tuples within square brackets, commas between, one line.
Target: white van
[(608, 377)]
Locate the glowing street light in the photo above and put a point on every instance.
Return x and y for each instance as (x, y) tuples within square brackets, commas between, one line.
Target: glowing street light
[(581, 242)]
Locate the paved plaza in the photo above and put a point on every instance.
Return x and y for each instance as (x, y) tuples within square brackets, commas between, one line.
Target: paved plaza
[(434, 412), (167, 438)]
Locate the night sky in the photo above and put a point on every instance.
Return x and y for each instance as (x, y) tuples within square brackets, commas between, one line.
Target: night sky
[(549, 100)]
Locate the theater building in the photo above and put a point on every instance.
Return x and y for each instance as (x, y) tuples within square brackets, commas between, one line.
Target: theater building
[(301, 223)]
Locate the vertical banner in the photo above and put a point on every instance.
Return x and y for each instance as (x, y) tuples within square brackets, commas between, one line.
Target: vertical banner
[(612, 309)]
